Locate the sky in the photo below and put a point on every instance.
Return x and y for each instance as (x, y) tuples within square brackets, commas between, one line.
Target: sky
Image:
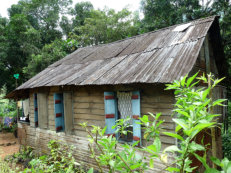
[(115, 4)]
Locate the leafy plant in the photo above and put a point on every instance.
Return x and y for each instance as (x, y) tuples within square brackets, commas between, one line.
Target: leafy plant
[(5, 167), (193, 114), (7, 108), (59, 160), (24, 156), (127, 159)]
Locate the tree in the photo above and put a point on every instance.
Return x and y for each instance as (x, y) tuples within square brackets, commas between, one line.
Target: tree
[(104, 27), (80, 12), (163, 13), (32, 25)]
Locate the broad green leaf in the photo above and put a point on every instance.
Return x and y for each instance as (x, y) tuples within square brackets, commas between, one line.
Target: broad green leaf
[(172, 169), (151, 163), (205, 93), (182, 82), (217, 81), (216, 161), (196, 147), (144, 119), (195, 83), (103, 131), (203, 125), (211, 170), (181, 123), (178, 127), (218, 102), (112, 163), (157, 144), (182, 112), (174, 135), (158, 116), (135, 143), (202, 160), (135, 166), (189, 81), (152, 147), (172, 148), (91, 170), (228, 168)]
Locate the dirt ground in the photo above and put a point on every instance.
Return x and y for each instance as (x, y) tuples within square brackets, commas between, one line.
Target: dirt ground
[(8, 144)]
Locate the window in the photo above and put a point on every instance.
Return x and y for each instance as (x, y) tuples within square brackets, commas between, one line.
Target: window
[(42, 101), (121, 105), (124, 100), (24, 110), (59, 112), (35, 110)]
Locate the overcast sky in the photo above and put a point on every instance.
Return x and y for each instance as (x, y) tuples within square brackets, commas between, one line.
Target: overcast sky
[(115, 4)]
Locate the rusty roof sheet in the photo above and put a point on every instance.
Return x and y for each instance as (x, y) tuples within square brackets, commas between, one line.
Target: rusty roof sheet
[(156, 57)]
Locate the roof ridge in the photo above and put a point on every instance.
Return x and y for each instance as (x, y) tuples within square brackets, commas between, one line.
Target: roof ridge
[(139, 35)]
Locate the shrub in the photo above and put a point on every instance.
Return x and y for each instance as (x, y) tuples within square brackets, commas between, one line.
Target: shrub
[(193, 113), (60, 160), (5, 167), (24, 156)]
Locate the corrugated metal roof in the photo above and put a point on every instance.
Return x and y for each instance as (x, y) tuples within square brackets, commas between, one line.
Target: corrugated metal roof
[(155, 57)]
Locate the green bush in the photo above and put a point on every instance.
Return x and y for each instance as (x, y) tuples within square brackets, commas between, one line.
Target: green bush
[(7, 107), (5, 168), (25, 155), (59, 160), (226, 136), (226, 141)]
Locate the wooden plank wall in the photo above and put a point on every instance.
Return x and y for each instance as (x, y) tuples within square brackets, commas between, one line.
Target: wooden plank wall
[(201, 65), (38, 139), (88, 105)]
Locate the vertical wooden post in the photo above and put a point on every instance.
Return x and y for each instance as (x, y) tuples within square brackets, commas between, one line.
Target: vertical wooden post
[(207, 57), (213, 132), (208, 71)]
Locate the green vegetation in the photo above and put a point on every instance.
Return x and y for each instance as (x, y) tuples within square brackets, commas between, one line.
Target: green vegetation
[(7, 109), (24, 156), (193, 112), (5, 168), (59, 159)]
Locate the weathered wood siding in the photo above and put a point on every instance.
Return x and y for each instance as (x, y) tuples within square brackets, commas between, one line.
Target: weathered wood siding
[(205, 62), (38, 139), (88, 105)]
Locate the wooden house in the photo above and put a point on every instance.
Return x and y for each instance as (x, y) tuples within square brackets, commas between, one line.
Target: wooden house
[(100, 84)]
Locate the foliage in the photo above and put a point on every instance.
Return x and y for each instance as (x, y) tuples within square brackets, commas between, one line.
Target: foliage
[(7, 108), (226, 141), (224, 164), (58, 160), (123, 161), (48, 55), (127, 159), (194, 114), (39, 33), (104, 27), (5, 167), (24, 156)]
